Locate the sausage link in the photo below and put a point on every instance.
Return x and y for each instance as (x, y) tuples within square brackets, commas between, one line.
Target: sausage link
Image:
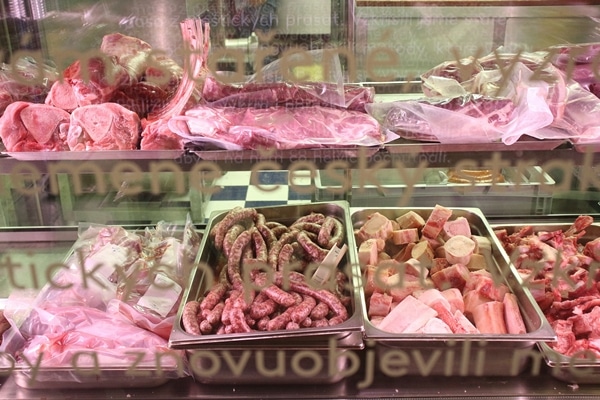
[(189, 317), (285, 256), (280, 321), (331, 233), (274, 292), (214, 296), (291, 326), (238, 321), (312, 217), (262, 309), (320, 311), (263, 323), (320, 323), (316, 253), (234, 216), (214, 316), (260, 246), (230, 237), (306, 323), (206, 328), (335, 320), (279, 231), (332, 301), (267, 234), (235, 259), (302, 310), (311, 227), (276, 249)]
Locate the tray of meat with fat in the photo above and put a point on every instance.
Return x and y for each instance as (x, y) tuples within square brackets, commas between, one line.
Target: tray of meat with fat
[(439, 291), (103, 318), (271, 280), (559, 263)]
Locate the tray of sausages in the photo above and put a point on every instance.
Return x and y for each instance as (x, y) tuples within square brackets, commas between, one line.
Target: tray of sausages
[(270, 279), (560, 264), (440, 293)]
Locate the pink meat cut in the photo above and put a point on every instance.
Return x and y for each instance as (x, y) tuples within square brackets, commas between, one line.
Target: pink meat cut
[(33, 127), (108, 126)]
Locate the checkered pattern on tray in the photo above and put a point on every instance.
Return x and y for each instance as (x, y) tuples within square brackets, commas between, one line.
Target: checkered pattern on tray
[(236, 190)]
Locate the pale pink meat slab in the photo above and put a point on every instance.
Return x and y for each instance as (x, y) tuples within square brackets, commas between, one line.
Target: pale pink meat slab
[(408, 316), (489, 318)]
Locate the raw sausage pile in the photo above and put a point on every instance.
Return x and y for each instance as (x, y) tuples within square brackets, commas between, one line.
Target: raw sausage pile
[(260, 284), (431, 276)]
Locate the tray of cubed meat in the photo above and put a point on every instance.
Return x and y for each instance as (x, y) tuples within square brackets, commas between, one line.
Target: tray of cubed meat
[(440, 294), (272, 280), (559, 263)]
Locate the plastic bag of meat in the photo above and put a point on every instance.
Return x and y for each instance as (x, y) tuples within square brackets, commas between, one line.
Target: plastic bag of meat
[(278, 127), (303, 86), (87, 338), (471, 118), (149, 293)]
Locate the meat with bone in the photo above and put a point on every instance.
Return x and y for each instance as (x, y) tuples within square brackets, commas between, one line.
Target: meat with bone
[(450, 289), (34, 127), (559, 267), (107, 126)]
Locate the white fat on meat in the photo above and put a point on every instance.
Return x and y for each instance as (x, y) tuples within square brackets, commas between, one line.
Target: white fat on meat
[(434, 299), (435, 325), (408, 316)]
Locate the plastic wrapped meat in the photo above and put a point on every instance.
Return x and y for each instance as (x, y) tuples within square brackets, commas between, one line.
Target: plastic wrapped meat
[(263, 95), (34, 127), (277, 127)]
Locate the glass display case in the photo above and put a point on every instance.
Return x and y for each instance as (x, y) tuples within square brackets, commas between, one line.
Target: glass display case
[(144, 121)]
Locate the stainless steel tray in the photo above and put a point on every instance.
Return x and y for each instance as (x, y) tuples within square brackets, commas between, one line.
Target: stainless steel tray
[(315, 337), (463, 354), (563, 367)]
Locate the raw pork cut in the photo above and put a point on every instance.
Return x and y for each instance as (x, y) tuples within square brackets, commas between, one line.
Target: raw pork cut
[(108, 126), (262, 95), (33, 127), (277, 127), (157, 136)]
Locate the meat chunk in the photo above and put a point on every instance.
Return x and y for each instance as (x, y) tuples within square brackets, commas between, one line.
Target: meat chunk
[(459, 249), (376, 226), (33, 127), (435, 222), (455, 276), (512, 315), (489, 318), (459, 226), (380, 304), (107, 126), (409, 315)]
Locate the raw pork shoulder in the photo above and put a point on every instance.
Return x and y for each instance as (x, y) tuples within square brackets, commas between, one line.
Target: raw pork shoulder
[(108, 126), (33, 127)]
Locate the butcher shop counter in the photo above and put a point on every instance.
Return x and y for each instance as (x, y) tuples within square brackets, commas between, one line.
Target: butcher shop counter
[(543, 386), (369, 382)]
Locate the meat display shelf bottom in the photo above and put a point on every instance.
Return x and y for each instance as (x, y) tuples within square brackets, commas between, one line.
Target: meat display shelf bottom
[(524, 386)]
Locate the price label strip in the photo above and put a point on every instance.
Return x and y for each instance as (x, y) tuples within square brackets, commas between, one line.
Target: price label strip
[(329, 264)]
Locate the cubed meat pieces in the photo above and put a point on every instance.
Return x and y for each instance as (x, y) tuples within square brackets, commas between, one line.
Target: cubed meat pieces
[(455, 276), (459, 226), (380, 305), (409, 315), (459, 249)]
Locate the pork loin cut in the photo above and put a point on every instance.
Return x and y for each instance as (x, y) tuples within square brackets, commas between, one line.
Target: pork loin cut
[(34, 127), (107, 126)]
